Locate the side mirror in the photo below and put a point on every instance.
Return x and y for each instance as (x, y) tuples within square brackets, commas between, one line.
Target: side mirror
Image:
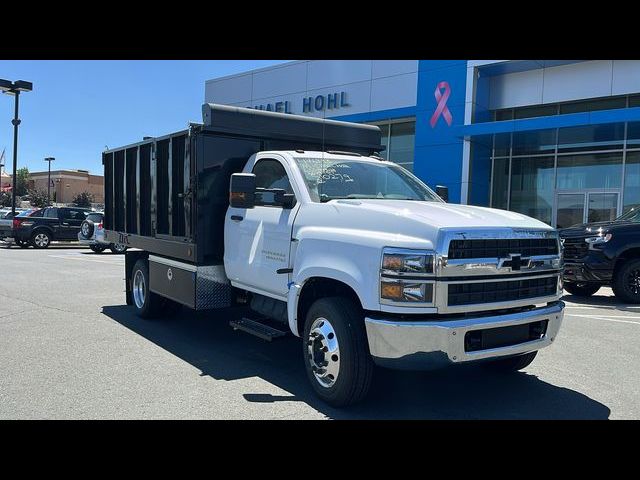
[(242, 190), (442, 192)]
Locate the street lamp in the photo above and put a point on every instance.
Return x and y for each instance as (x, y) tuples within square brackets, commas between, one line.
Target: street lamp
[(49, 159), (14, 88)]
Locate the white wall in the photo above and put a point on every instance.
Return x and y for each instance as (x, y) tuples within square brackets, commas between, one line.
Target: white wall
[(370, 85), (576, 81)]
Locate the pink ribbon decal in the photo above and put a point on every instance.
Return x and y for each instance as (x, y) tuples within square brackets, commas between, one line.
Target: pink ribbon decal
[(442, 108)]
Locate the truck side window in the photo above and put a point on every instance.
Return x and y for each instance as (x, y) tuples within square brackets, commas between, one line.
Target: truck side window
[(270, 174)]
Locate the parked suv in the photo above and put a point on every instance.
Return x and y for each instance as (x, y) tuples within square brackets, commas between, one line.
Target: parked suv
[(49, 224), (92, 234), (604, 253)]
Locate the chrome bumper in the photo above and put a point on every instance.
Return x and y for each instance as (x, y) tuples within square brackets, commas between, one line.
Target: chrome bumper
[(434, 344)]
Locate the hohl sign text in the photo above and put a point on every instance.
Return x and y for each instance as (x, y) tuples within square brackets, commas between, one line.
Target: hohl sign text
[(318, 103)]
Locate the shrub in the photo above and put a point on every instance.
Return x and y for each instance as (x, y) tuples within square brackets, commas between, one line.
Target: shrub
[(83, 199)]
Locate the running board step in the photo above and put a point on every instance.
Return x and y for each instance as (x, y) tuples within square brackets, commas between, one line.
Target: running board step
[(258, 329)]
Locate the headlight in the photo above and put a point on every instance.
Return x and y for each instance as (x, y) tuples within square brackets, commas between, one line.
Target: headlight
[(405, 262), (599, 239), (406, 291)]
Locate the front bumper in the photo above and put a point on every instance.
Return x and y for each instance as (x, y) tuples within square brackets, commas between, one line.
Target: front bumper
[(596, 267), (424, 345)]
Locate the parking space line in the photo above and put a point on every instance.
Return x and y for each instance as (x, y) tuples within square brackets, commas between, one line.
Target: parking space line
[(608, 319), (95, 260)]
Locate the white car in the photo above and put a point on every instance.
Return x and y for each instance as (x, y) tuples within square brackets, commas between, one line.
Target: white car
[(92, 234)]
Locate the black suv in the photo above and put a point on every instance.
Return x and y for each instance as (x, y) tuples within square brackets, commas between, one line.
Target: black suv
[(48, 224), (604, 253)]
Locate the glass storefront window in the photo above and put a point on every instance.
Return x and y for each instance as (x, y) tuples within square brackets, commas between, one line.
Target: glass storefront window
[(534, 142), (500, 183), (501, 145), (532, 187), (633, 135), (603, 170), (631, 196), (535, 111), (608, 103), (385, 140), (591, 137), (402, 141)]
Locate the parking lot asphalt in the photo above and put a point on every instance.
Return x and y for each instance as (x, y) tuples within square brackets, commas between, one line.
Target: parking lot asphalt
[(71, 349)]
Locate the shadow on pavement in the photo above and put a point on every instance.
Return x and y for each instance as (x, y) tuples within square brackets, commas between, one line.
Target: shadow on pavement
[(607, 301), (205, 340)]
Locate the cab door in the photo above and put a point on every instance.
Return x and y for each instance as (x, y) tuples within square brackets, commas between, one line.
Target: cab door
[(258, 240)]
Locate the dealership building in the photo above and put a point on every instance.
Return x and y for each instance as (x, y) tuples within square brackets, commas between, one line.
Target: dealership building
[(556, 140)]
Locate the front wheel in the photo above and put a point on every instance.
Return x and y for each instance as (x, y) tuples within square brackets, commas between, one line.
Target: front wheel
[(626, 283), (22, 244), (511, 364), (118, 248), (581, 289), (336, 352)]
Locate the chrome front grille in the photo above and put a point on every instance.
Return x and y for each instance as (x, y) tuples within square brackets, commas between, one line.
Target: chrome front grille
[(502, 268)]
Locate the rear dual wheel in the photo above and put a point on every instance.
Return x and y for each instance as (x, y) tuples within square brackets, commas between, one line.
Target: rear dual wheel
[(148, 304)]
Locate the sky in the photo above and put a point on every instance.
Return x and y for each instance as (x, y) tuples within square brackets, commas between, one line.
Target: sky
[(79, 108)]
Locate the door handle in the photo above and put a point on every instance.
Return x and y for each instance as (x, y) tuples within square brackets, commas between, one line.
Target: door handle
[(65, 223), (237, 218)]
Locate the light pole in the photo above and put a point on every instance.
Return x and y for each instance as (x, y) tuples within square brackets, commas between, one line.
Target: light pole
[(14, 88), (49, 159)]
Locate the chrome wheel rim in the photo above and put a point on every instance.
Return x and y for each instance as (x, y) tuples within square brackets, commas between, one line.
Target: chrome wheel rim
[(323, 352), (633, 282), (138, 289), (41, 240), (119, 247)]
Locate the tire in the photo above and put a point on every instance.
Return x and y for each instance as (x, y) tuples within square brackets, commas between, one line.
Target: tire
[(351, 360), (511, 364), (86, 229), (22, 244), (97, 248), (40, 239), (146, 303), (626, 282), (581, 289), (117, 248)]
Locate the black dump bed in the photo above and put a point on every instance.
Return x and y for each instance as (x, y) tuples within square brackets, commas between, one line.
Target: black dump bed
[(169, 195)]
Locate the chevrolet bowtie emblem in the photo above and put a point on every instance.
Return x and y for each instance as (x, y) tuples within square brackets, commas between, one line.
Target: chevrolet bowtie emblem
[(515, 261)]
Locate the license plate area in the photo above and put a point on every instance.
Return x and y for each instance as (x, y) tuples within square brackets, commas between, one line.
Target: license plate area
[(489, 338)]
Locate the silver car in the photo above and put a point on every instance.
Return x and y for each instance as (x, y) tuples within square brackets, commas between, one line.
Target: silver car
[(92, 234)]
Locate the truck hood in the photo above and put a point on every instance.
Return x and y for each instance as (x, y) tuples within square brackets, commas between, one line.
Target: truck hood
[(441, 215)]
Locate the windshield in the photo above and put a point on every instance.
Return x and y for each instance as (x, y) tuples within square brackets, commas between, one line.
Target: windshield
[(632, 215), (329, 179)]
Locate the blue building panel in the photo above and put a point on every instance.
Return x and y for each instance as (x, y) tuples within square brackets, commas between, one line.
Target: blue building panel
[(440, 107)]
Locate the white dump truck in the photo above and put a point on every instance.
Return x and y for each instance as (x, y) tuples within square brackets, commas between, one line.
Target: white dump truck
[(299, 219)]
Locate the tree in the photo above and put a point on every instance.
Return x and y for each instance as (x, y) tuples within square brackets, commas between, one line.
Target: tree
[(83, 199), (22, 183), (38, 198)]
